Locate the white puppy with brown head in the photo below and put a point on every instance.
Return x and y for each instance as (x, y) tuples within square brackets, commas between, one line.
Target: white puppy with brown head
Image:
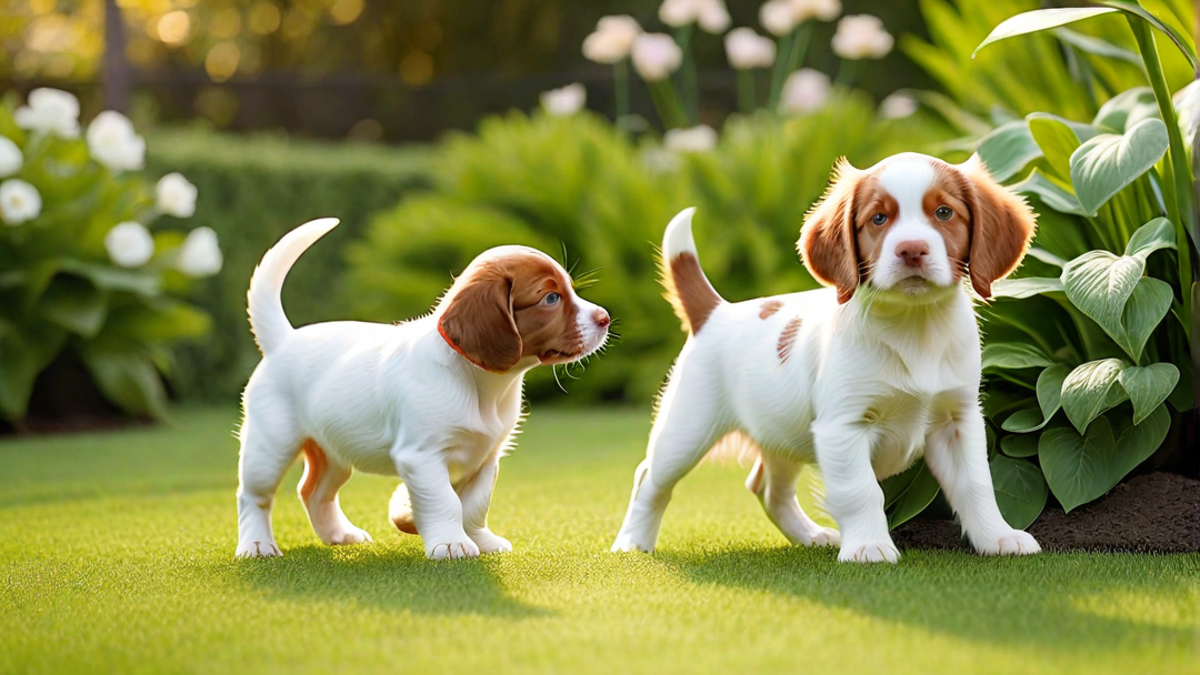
[(435, 400), (862, 378)]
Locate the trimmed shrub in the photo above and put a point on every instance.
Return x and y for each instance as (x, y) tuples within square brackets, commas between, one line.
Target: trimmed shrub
[(252, 191)]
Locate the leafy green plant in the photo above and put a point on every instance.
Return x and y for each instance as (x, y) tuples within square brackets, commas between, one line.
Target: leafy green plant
[(81, 277), (1087, 350)]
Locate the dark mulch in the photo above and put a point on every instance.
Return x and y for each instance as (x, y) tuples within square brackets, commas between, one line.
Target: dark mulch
[(1155, 513)]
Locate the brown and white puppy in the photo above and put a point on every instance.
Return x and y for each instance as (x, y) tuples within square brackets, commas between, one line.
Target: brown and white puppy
[(862, 378), (435, 400)]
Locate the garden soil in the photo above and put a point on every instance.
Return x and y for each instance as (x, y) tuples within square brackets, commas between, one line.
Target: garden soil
[(1154, 513)]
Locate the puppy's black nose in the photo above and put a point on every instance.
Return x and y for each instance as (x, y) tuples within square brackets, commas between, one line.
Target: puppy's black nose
[(601, 318)]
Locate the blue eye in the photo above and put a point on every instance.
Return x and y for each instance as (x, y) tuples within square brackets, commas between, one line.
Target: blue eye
[(879, 218), (551, 299)]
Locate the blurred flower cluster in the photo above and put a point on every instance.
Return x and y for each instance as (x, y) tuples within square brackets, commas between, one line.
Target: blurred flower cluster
[(664, 62), (78, 265)]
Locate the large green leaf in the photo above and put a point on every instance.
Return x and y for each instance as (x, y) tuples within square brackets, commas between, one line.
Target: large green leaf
[(1148, 304), (162, 319), (908, 493), (1020, 445), (1155, 235), (126, 377), (1085, 391), (1054, 195), (23, 355), (1097, 46), (1056, 140), (74, 304), (1137, 10), (1127, 109), (1108, 162), (1024, 421), (1039, 20), (1082, 467), (1148, 386), (1099, 283), (1021, 491), (1025, 287), (1049, 389), (1013, 355), (1008, 150)]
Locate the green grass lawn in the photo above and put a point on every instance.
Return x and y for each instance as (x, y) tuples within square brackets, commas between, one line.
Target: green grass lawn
[(116, 556)]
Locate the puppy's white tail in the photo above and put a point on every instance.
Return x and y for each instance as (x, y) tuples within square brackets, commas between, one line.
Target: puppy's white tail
[(267, 320), (687, 289)]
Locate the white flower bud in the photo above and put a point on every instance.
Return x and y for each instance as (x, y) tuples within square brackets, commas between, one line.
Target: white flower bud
[(656, 56), (112, 142), (747, 49), (805, 91), (612, 39), (700, 138), (200, 256), (566, 100), (714, 17), (898, 106), (175, 196), (19, 201), (50, 111), (825, 10), (862, 36), (129, 244), (10, 157)]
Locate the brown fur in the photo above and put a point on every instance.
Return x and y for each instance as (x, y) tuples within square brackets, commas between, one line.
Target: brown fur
[(315, 464), (689, 292), (787, 338), (403, 518), (769, 308), (1003, 226), (826, 241)]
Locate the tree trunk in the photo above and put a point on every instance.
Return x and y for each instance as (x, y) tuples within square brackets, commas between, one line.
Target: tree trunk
[(116, 68)]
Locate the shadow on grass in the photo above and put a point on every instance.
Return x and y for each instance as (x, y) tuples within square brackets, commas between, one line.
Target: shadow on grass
[(1016, 602), (387, 579)]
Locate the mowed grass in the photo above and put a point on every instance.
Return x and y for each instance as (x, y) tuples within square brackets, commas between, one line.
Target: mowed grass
[(116, 556)]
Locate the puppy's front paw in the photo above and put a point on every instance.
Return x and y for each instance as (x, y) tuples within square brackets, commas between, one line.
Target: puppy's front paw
[(880, 551), (626, 543), (258, 549), (1015, 542), (489, 542), (454, 548), (825, 536)]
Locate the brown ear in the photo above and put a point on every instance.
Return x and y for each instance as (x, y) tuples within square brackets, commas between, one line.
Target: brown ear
[(827, 238), (478, 319), (1002, 225)]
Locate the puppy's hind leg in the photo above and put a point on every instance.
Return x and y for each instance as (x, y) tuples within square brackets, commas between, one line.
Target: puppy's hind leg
[(268, 450), (773, 481), (687, 425), (318, 492)]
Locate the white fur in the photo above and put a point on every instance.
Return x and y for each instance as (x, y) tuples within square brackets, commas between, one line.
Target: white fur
[(387, 399), (868, 387)]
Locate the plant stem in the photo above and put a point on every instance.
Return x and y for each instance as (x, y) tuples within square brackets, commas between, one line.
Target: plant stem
[(746, 97), (670, 111), (848, 71), (691, 96), (783, 48), (621, 89)]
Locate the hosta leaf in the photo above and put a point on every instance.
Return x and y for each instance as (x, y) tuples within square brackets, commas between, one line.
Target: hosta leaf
[(1108, 162), (1055, 196), (1148, 387), (75, 304), (125, 377), (1008, 150), (1026, 287), (1097, 46), (1024, 421), (1049, 389), (1038, 20), (1153, 236), (1127, 108), (1100, 283), (1056, 140), (1013, 355), (1149, 303), (1021, 490), (908, 493), (1085, 391), (1020, 445)]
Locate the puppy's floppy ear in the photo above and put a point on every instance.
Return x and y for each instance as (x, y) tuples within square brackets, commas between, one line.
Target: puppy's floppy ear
[(1002, 225), (477, 320), (827, 238)]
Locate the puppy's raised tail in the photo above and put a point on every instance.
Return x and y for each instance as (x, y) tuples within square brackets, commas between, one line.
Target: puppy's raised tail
[(687, 289), (267, 320)]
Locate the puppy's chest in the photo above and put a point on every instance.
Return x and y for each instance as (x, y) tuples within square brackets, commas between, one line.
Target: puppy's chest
[(470, 446)]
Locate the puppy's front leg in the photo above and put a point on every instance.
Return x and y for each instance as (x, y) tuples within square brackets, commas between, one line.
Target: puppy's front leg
[(437, 511), (956, 453), (476, 496), (852, 494)]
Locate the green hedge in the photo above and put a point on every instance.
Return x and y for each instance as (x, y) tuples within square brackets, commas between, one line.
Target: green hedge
[(252, 191)]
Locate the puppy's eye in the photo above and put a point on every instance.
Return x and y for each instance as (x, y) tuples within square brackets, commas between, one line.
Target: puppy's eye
[(551, 299), (943, 213), (879, 218)]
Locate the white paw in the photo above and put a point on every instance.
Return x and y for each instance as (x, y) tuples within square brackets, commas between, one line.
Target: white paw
[(883, 551), (625, 543), (488, 542), (825, 536), (349, 535), (1015, 542), (457, 548), (257, 549)]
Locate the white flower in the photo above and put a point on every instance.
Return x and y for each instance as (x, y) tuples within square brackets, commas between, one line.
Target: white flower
[(19, 201), (747, 49), (825, 10), (50, 111), (700, 138), (714, 17), (806, 90), (10, 157), (129, 244), (861, 36), (656, 56), (175, 196), (612, 39), (898, 105), (658, 160), (680, 13), (199, 256), (112, 142), (778, 17), (566, 100)]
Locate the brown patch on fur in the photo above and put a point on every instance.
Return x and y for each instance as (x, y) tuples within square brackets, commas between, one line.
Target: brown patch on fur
[(872, 200), (827, 243), (769, 307), (315, 464), (401, 511), (494, 315), (787, 338), (688, 291), (1002, 227)]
